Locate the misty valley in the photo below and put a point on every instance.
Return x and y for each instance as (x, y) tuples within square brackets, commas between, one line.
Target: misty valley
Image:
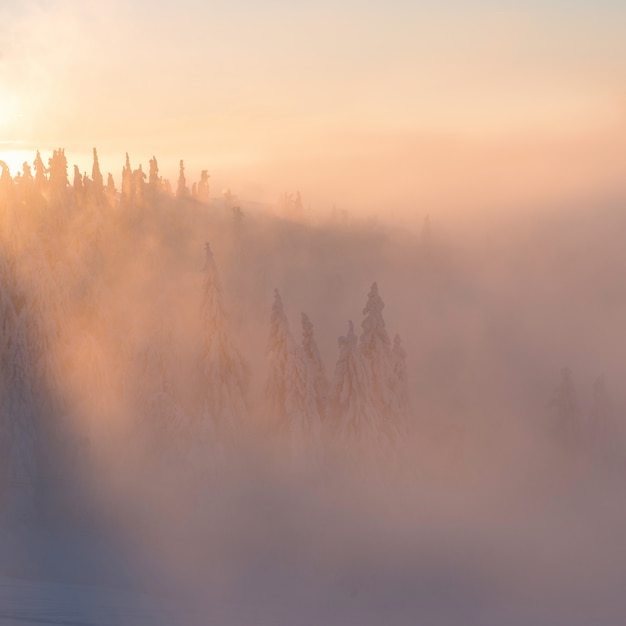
[(216, 411)]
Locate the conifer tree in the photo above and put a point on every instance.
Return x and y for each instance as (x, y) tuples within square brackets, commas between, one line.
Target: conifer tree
[(19, 407), (128, 192), (181, 189), (77, 186), (26, 184), (97, 181), (355, 414), (139, 183), (6, 184), (203, 187), (281, 350), (316, 376), (40, 173), (226, 374), (58, 181), (110, 192), (375, 347), (153, 178)]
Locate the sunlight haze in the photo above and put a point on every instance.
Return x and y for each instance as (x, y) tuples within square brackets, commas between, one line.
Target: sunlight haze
[(280, 95)]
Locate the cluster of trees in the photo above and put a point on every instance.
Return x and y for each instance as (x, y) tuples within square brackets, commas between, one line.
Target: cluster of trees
[(104, 320), (368, 398), (66, 359), (137, 188)]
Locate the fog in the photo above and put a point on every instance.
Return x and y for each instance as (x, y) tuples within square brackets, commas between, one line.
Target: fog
[(166, 433)]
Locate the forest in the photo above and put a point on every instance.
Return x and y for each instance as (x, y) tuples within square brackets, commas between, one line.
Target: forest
[(246, 393)]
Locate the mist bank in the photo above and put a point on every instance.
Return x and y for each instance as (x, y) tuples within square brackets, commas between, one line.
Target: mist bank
[(168, 398)]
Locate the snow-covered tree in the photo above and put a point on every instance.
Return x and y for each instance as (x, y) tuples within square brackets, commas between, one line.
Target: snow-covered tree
[(203, 187), (110, 192), (316, 378), (295, 385), (19, 408), (77, 186), (388, 391), (6, 185), (26, 184), (58, 181), (155, 184), (139, 183), (40, 173), (181, 189), (128, 191), (281, 350), (225, 372), (97, 188), (355, 415)]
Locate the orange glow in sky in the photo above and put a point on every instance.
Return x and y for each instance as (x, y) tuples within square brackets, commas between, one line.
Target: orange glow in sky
[(420, 101)]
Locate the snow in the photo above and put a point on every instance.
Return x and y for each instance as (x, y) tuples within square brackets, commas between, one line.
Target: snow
[(33, 603)]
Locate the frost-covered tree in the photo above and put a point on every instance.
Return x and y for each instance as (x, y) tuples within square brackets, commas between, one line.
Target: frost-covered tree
[(155, 184), (58, 181), (153, 177), (295, 383), (181, 189), (128, 191), (6, 184), (25, 184), (203, 187), (77, 186), (40, 173), (225, 372), (375, 347), (43, 313), (139, 182), (302, 418), (110, 192), (354, 412), (97, 188), (317, 382), (19, 408), (281, 350)]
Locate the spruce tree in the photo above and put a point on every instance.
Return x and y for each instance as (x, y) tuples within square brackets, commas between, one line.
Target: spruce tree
[(316, 374), (128, 192), (225, 372), (40, 173), (181, 190), (355, 415), (281, 350), (97, 188)]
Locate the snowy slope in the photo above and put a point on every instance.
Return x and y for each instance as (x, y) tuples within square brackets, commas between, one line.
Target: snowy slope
[(26, 603)]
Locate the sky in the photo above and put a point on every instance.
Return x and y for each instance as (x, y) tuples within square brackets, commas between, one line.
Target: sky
[(364, 104)]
